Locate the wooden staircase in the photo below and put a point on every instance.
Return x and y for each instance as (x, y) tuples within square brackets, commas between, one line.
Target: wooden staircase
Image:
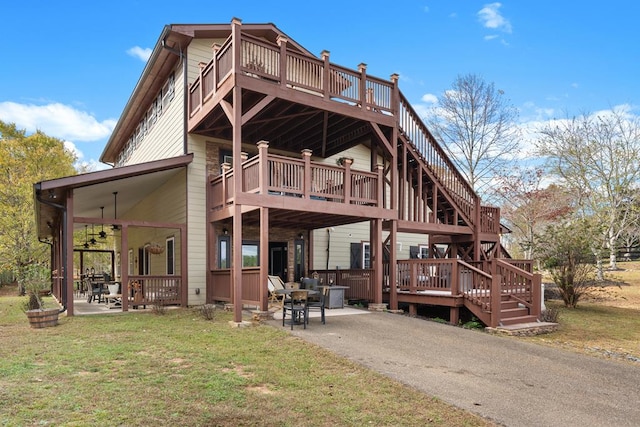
[(513, 312)]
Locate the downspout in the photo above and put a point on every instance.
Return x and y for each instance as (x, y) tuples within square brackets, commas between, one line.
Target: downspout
[(64, 240), (185, 87)]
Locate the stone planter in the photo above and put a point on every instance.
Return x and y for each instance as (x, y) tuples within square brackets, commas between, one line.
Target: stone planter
[(43, 318)]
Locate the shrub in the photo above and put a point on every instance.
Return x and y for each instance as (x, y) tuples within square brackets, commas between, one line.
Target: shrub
[(208, 311), (565, 250), (551, 314), (34, 279)]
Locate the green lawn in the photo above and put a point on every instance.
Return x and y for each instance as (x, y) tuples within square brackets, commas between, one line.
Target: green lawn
[(140, 369)]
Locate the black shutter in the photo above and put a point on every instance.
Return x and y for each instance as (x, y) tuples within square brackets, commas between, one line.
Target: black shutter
[(356, 255), (414, 251)]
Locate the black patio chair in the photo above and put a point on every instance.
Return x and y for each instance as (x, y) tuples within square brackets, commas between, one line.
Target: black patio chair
[(296, 306), (319, 303)]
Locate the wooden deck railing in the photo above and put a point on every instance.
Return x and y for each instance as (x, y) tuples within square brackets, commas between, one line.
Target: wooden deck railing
[(291, 177), (166, 290), (264, 60), (220, 286), (489, 219), (437, 160), (416, 275), (359, 281)]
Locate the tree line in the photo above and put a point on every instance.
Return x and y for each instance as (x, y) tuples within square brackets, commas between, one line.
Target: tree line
[(25, 160)]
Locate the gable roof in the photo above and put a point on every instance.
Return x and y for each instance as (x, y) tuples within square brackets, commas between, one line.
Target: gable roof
[(96, 189), (169, 50)]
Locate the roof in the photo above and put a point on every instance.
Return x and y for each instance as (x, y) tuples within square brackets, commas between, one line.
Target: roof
[(95, 189), (168, 52)]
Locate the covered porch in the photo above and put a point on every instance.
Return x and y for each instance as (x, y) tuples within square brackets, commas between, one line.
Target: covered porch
[(117, 212)]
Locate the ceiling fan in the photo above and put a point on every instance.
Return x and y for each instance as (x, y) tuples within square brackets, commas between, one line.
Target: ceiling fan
[(115, 227)]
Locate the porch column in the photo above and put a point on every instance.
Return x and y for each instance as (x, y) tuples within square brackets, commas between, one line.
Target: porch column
[(393, 267), (124, 266), (264, 258), (236, 267), (376, 238), (67, 250)]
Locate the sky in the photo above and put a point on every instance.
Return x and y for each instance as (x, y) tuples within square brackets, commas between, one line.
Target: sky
[(67, 68)]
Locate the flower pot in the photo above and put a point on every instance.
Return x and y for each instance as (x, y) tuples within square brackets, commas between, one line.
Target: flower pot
[(43, 318)]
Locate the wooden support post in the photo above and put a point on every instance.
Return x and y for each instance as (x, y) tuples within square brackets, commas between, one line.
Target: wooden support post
[(347, 180), (362, 95), (536, 295), (306, 156), (263, 167), (282, 42), (67, 237), (454, 315), (496, 288), (264, 258), (326, 79), (413, 309)]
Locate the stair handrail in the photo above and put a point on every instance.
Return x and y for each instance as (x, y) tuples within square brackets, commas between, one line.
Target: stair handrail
[(521, 285), (477, 288), (435, 157)]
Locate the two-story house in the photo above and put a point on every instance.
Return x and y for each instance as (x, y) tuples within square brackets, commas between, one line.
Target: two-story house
[(241, 154)]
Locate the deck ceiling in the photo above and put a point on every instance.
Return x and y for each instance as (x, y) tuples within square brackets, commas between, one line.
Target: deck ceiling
[(283, 218), (291, 126)]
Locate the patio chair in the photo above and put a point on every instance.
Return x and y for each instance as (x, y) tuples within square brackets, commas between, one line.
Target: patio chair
[(94, 290), (274, 283), (319, 303), (297, 308)]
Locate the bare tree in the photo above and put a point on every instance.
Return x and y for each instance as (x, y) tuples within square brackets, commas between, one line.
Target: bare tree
[(598, 157), (476, 125), (527, 207)]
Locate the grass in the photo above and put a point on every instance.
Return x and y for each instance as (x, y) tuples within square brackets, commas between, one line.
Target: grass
[(605, 325), (140, 369)]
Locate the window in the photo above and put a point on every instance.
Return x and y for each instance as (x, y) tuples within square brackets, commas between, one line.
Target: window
[(366, 255), (224, 252), (131, 262), (250, 254), (298, 259), (170, 253), (360, 254), (423, 251), (226, 156), (144, 268)]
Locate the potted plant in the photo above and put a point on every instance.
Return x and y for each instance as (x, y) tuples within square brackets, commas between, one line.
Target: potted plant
[(36, 281)]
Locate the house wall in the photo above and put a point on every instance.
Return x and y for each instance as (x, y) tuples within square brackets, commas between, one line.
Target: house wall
[(197, 219), (341, 237), (165, 138), (166, 204)]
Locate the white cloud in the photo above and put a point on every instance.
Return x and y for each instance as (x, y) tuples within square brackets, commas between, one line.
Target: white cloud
[(575, 85), (57, 120), (491, 37), (490, 17), (429, 98), (142, 53)]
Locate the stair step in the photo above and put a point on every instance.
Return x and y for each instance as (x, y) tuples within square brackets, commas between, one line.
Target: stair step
[(513, 312), (517, 320), (505, 305)]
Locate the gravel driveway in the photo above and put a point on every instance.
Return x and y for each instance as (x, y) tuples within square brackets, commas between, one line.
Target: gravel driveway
[(508, 381)]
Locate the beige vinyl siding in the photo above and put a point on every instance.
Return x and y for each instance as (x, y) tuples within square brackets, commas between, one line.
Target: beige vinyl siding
[(165, 139), (340, 244), (166, 204), (342, 236), (199, 51), (196, 219)]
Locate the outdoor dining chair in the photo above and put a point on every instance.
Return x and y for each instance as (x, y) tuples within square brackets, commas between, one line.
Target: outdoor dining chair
[(319, 304), (297, 308), (94, 290)]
